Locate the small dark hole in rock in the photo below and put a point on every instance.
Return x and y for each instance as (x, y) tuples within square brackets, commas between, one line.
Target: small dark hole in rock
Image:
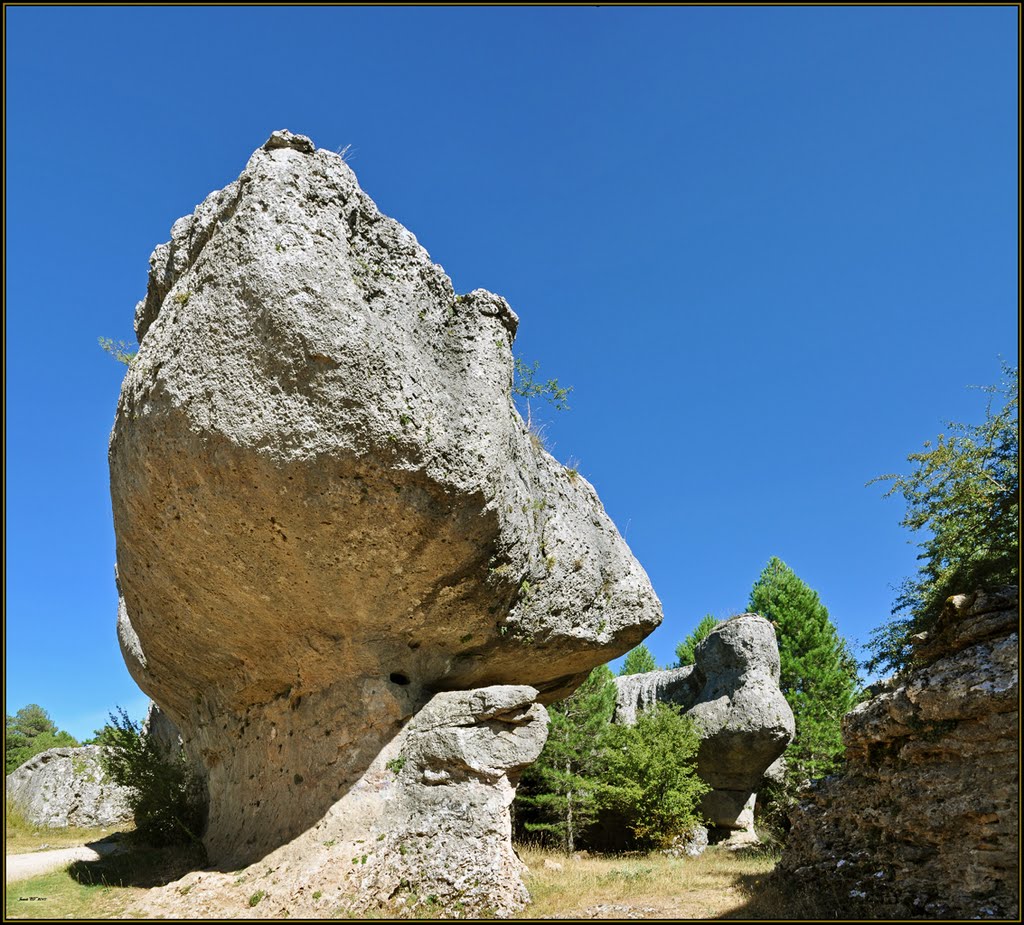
[(297, 778), (398, 678)]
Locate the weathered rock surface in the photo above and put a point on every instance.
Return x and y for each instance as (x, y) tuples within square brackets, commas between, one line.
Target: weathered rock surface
[(732, 691), (67, 786), (925, 820), (327, 508), (427, 826)]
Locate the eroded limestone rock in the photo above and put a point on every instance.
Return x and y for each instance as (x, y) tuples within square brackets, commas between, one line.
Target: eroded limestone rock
[(732, 691), (65, 787), (327, 508), (426, 827), (924, 822)]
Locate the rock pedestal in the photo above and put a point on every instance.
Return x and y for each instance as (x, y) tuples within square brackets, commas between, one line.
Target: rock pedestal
[(425, 829), (732, 691)]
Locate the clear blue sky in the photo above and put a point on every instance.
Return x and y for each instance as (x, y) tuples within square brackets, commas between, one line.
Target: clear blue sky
[(768, 246)]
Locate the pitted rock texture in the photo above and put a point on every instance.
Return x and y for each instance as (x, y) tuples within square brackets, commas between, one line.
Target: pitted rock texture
[(732, 691), (924, 823), (327, 508), (67, 787), (426, 828)]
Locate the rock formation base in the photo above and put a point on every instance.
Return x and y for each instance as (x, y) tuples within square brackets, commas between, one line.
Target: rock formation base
[(925, 821), (426, 828)]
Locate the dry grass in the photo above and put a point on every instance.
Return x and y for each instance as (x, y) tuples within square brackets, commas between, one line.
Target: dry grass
[(719, 883), (21, 836)]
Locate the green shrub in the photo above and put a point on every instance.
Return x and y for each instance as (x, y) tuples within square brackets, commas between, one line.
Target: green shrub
[(165, 796), (650, 777)]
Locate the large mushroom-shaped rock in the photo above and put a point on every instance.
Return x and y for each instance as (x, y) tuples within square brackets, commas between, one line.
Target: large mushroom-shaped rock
[(327, 508), (732, 691), (64, 787)]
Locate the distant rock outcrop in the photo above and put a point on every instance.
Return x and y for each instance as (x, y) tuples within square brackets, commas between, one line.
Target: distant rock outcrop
[(924, 822), (67, 787), (327, 508), (732, 691)]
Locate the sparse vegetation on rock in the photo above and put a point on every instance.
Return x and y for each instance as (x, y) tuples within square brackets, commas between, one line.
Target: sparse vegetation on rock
[(963, 497)]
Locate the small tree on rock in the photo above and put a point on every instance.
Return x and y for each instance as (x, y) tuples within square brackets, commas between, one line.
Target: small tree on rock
[(164, 795), (964, 497)]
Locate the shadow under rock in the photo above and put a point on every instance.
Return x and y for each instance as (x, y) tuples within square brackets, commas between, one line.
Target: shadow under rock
[(128, 861)]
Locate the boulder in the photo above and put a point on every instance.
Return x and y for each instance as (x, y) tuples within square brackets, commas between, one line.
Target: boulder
[(425, 829), (326, 505), (925, 820), (67, 787), (732, 692)]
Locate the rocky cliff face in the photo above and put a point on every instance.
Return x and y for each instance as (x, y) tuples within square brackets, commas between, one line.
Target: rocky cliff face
[(326, 506), (925, 820), (732, 691), (67, 786)]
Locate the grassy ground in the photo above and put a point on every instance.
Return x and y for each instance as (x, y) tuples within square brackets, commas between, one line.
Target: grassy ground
[(21, 836), (87, 889), (719, 883)]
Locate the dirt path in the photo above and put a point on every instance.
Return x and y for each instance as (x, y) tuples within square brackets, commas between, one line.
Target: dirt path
[(23, 866)]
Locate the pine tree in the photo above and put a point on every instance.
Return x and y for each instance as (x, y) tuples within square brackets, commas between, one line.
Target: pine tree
[(28, 733), (558, 794), (638, 661), (686, 650), (818, 673)]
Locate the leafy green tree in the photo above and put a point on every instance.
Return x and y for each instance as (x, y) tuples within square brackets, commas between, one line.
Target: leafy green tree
[(28, 733), (105, 736), (964, 497), (686, 650), (650, 775), (164, 796), (557, 796), (818, 674), (638, 661)]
